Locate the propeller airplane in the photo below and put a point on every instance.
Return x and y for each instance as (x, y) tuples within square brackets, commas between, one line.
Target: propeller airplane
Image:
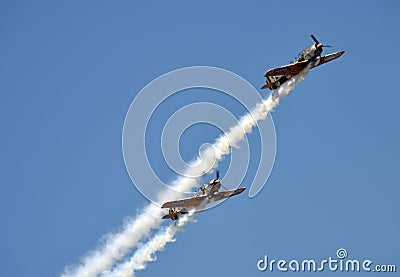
[(206, 194), (312, 56)]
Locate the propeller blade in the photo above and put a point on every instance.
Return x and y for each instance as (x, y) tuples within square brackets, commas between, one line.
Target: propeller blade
[(315, 39), (326, 46), (217, 174)]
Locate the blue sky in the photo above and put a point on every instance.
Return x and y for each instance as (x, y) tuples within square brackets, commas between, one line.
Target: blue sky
[(69, 71)]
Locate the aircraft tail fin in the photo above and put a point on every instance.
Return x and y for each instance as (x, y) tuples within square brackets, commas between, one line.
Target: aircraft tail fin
[(172, 215), (272, 82)]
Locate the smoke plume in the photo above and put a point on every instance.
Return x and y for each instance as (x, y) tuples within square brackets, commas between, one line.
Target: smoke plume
[(116, 246)]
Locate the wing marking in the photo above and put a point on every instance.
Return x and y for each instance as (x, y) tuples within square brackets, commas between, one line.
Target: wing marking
[(291, 69)]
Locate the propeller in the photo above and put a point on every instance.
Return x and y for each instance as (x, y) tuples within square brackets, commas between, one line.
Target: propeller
[(318, 43), (217, 176), (315, 39)]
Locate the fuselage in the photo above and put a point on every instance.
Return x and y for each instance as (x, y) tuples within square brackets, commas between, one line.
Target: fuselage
[(212, 187), (311, 53)]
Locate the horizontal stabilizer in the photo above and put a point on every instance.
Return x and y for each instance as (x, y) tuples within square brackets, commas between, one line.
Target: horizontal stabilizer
[(267, 86), (170, 216)]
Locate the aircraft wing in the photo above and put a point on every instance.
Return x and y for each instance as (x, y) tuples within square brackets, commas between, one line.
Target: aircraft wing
[(327, 58), (187, 202), (291, 69), (197, 200), (225, 194)]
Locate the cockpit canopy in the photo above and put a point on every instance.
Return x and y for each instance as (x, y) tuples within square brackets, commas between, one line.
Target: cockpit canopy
[(206, 188), (299, 56)]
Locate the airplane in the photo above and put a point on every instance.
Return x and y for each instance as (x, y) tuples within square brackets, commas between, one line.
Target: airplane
[(278, 76), (206, 194)]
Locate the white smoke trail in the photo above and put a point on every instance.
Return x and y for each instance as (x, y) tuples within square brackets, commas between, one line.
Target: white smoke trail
[(117, 245), (146, 253)]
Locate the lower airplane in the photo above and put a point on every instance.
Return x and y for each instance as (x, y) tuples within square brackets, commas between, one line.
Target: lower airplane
[(312, 57), (206, 194)]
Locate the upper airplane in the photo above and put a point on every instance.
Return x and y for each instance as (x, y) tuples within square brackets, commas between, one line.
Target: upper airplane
[(312, 56), (206, 194)]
